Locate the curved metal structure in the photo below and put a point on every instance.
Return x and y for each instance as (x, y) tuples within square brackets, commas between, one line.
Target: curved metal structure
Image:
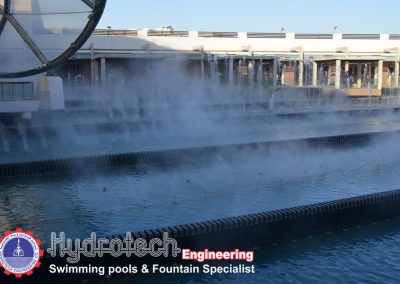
[(37, 35)]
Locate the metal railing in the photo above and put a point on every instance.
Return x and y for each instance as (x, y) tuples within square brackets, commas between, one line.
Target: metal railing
[(219, 34), (362, 36), (313, 36), (108, 32), (168, 33), (209, 34), (16, 91), (394, 37), (266, 35)]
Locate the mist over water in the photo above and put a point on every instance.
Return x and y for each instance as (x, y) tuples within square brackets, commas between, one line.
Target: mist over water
[(231, 184), (164, 105)]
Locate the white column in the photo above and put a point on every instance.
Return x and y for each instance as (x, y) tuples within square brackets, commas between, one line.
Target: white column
[(95, 72), (380, 74), (103, 72), (230, 71), (329, 74), (301, 72), (396, 73), (346, 66), (315, 74), (202, 68), (359, 75), (338, 74), (275, 74)]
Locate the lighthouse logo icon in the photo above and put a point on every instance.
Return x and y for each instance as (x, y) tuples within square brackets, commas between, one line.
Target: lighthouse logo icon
[(19, 253)]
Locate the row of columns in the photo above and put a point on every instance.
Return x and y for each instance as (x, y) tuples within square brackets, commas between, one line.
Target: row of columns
[(300, 51), (103, 76), (274, 71), (94, 67), (338, 74)]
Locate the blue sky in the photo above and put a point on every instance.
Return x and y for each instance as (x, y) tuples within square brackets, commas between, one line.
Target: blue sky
[(308, 16)]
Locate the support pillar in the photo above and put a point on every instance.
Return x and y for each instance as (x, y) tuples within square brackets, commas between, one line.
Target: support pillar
[(359, 80), (202, 66), (93, 66), (396, 73), (275, 74), (230, 71), (315, 74), (380, 74), (301, 73), (300, 50), (346, 66), (329, 75), (338, 74), (103, 72), (95, 72)]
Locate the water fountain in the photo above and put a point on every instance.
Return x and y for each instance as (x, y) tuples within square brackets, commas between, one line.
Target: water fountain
[(308, 73), (231, 71), (166, 143), (3, 137), (216, 69), (22, 131), (260, 73), (250, 79), (321, 76), (241, 63), (251, 73)]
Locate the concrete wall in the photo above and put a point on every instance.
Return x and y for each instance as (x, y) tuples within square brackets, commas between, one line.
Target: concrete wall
[(125, 42)]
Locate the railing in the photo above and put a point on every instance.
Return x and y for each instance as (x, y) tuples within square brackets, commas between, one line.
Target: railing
[(168, 33), (313, 36), (207, 34), (362, 36), (266, 35), (219, 34), (394, 37), (107, 32), (16, 91)]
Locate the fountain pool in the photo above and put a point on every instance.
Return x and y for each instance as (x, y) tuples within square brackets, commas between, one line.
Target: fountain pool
[(103, 137), (243, 183)]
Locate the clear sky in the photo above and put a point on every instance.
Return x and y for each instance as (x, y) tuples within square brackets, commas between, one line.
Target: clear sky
[(302, 16)]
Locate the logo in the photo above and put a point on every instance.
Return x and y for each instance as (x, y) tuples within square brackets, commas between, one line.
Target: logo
[(19, 253)]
